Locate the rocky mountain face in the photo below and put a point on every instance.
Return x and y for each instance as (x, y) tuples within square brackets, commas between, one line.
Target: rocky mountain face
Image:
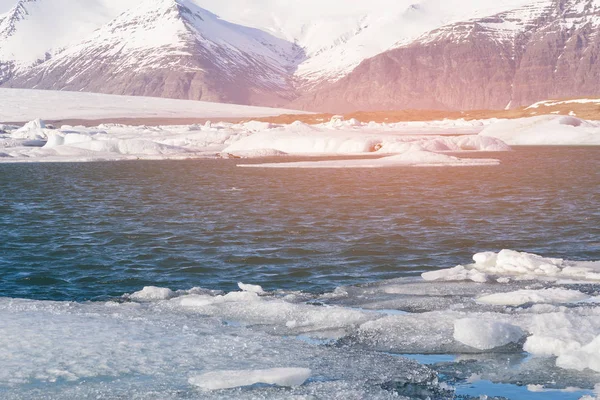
[(504, 53), (548, 49)]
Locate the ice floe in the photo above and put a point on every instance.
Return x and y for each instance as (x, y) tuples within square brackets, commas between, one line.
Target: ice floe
[(486, 335), (547, 296), (412, 144), (545, 130), (230, 379), (517, 265), (395, 144)]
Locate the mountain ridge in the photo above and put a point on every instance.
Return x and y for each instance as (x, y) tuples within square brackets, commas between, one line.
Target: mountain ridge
[(360, 57)]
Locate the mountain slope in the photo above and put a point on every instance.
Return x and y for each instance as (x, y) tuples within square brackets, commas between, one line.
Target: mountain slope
[(548, 49), (173, 48), (33, 30), (331, 37)]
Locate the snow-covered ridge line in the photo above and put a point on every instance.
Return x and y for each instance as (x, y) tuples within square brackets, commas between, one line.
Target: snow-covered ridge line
[(316, 40)]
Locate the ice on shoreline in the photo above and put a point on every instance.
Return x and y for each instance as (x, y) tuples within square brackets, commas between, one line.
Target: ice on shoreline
[(214, 341)]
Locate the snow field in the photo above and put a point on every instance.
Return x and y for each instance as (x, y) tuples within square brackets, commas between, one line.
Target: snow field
[(28, 104)]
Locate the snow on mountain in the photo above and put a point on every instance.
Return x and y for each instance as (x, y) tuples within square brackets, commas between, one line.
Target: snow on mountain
[(337, 35), (33, 30), (546, 49), (332, 36), (173, 48)]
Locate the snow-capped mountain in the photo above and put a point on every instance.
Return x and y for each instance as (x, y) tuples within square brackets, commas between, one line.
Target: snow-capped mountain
[(32, 31), (546, 49), (173, 49), (328, 55)]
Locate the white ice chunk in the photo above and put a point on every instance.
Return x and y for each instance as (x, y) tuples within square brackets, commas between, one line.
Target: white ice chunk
[(486, 335), (152, 293), (33, 130), (251, 288), (545, 130), (510, 263), (587, 356), (458, 273), (216, 380)]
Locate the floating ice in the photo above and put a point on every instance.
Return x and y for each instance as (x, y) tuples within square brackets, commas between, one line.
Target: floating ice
[(545, 130), (570, 336), (245, 140), (410, 158), (486, 335), (517, 298), (510, 263), (230, 379), (151, 293), (33, 130), (251, 288)]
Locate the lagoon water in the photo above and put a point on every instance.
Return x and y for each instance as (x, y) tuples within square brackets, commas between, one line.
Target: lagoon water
[(74, 236)]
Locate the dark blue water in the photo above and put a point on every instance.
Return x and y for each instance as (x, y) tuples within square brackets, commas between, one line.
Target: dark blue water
[(97, 230)]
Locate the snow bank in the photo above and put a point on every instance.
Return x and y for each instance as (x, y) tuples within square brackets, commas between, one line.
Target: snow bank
[(517, 265), (486, 335), (545, 130), (231, 379)]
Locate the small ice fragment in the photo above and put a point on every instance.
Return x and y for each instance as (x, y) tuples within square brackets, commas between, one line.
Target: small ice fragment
[(486, 335), (152, 293), (216, 380), (251, 288)]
